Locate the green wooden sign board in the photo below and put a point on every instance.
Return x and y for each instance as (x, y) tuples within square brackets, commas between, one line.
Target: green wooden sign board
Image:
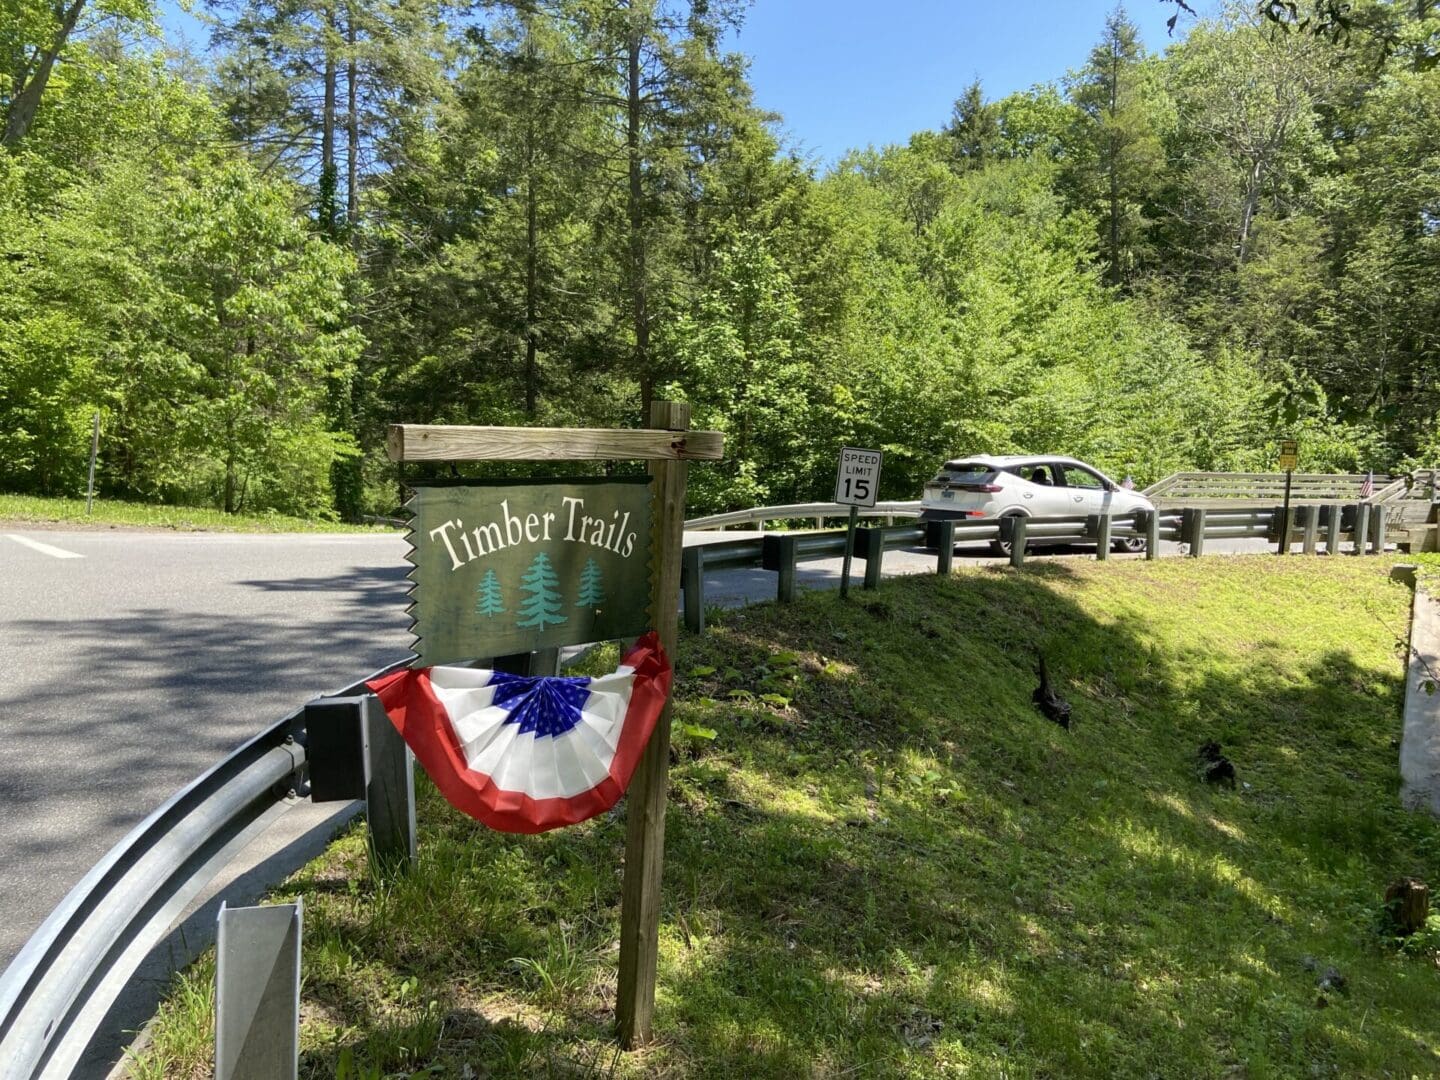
[(504, 568)]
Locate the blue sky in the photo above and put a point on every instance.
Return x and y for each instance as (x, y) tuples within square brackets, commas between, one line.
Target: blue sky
[(850, 73), (845, 74)]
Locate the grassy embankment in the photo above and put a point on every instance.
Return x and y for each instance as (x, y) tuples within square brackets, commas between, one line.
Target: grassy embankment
[(886, 863), (112, 513)]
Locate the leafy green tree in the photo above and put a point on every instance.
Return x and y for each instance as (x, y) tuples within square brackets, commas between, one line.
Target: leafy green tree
[(1038, 121), (33, 36), (257, 300)]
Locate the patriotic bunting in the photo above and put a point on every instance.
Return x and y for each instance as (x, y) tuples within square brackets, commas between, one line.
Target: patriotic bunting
[(526, 754)]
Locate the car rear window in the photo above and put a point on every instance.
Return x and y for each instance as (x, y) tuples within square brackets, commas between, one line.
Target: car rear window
[(959, 472)]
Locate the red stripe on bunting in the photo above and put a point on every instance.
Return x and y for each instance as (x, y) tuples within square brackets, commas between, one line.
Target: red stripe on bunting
[(423, 722)]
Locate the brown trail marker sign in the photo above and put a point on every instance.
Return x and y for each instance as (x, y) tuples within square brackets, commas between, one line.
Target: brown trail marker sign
[(580, 581)]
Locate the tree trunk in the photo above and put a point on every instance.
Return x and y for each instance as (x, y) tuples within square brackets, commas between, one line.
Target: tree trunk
[(531, 284), (26, 101), (1408, 902), (352, 123), (230, 465), (1114, 167), (329, 175), (1248, 211), (638, 298)]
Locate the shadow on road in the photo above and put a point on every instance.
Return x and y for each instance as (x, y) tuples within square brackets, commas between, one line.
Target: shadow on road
[(163, 696)]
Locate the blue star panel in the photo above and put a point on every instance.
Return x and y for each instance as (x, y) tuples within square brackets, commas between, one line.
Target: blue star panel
[(541, 704)]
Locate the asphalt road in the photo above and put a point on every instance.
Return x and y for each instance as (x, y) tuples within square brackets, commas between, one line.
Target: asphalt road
[(135, 660), (134, 667)]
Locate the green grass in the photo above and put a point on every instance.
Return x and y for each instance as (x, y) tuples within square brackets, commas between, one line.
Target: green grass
[(886, 863), (34, 509)]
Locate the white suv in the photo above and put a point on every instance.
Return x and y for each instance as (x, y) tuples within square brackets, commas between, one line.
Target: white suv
[(1041, 486)]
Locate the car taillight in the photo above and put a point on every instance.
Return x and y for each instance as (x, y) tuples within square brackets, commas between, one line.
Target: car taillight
[(977, 487)]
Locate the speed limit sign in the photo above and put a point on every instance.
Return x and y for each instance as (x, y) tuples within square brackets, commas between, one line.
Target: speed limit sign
[(858, 481)]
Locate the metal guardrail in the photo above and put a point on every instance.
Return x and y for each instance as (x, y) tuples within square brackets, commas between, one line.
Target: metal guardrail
[(1197, 487), (57, 991), (781, 553), (818, 511)]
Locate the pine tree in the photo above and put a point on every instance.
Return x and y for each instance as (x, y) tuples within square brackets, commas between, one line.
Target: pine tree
[(543, 604), (974, 130), (488, 600), (1119, 151), (592, 590)]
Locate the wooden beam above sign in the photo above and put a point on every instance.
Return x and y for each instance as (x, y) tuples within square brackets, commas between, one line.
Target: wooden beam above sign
[(439, 442)]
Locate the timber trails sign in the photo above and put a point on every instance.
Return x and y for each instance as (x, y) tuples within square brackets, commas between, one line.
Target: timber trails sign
[(503, 568)]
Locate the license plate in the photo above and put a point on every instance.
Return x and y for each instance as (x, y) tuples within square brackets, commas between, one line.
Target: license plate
[(947, 494)]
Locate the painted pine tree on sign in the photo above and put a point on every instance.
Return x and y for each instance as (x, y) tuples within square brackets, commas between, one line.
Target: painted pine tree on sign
[(488, 600), (542, 606), (592, 589)]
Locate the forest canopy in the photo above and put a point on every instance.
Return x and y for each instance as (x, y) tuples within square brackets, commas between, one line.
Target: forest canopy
[(351, 213)]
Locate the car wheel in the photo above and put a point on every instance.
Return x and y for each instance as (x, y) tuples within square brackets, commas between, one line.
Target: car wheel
[(1002, 547), (1132, 545)]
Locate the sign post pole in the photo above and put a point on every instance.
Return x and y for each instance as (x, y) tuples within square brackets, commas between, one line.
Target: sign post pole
[(94, 452), (849, 551), (645, 801), (857, 484), (1289, 458)]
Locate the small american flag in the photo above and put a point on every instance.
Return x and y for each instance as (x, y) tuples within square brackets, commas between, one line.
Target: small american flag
[(1128, 483), (1367, 487)]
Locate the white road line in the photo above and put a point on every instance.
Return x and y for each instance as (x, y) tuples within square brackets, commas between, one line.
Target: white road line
[(45, 549)]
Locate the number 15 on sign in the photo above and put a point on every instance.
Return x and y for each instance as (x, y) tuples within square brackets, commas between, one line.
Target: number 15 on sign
[(857, 483)]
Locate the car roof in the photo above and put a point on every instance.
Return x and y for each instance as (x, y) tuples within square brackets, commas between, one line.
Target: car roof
[(1011, 461)]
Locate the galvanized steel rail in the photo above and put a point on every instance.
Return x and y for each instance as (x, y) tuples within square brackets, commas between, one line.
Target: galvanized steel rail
[(816, 511), (1192, 525)]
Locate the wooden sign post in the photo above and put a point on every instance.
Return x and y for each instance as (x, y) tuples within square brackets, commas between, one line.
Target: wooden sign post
[(1289, 458), (668, 445)]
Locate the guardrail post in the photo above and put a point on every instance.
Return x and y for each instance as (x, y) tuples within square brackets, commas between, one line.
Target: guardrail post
[(390, 792), (1362, 527), (942, 539), (1195, 530), (1377, 527), (1284, 525), (1018, 526), (692, 585), (778, 553), (871, 543), (1098, 525), (257, 992), (1312, 529), (1332, 528), (1152, 534)]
